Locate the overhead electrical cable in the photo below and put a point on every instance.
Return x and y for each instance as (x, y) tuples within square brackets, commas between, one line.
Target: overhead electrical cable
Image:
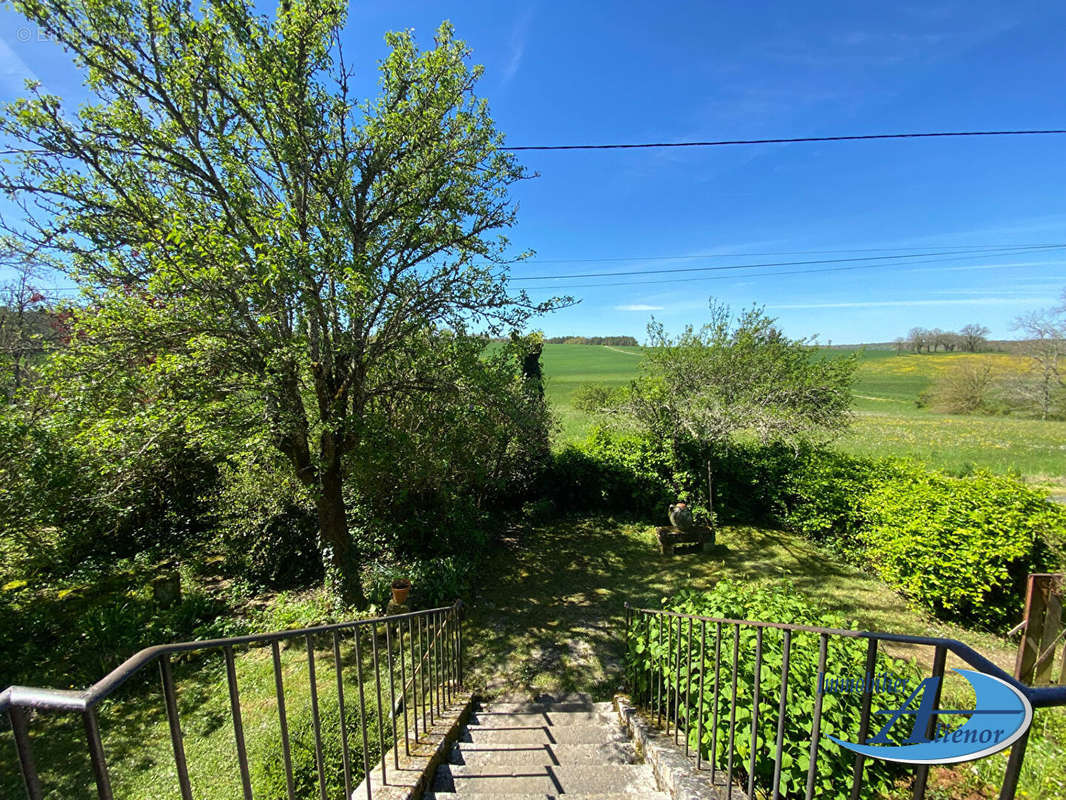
[(691, 256), (723, 267), (783, 140), (916, 264)]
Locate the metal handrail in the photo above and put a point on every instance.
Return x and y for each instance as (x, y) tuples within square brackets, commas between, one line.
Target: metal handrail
[(436, 635), (75, 700), (664, 701)]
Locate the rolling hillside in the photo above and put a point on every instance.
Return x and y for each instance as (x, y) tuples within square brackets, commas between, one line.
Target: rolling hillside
[(887, 418)]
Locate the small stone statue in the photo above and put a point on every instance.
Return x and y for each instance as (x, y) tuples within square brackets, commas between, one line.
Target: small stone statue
[(681, 516)]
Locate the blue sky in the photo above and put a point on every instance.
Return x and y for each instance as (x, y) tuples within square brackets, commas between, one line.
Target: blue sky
[(624, 72)]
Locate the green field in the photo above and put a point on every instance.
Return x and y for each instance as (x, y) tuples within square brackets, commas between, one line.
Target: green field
[(887, 420)]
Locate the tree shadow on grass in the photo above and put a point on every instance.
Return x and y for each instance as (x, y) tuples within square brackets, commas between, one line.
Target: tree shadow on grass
[(549, 617)]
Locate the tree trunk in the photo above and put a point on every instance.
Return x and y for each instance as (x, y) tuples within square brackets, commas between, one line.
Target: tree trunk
[(710, 491), (335, 540)]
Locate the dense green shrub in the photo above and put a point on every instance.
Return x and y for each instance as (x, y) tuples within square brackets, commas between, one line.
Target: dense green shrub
[(611, 472), (823, 494), (268, 525), (649, 656), (76, 631), (960, 546)]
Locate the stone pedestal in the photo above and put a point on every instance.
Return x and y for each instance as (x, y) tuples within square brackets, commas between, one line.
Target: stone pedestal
[(697, 536), (393, 608)]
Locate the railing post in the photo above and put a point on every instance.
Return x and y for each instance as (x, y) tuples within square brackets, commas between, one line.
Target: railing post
[(316, 722), (699, 710), (659, 674), (377, 691), (714, 711), (648, 675), (283, 722), (346, 761), (238, 725), (781, 708), (677, 682), (460, 629), (96, 755), (176, 740), (921, 777), (25, 753), (403, 689), (362, 713), (423, 660), (733, 712), (688, 686), (437, 673), (1014, 768), (816, 724), (392, 700), (755, 692)]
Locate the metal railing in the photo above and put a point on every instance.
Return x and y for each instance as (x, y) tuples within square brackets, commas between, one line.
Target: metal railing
[(672, 659), (417, 657)]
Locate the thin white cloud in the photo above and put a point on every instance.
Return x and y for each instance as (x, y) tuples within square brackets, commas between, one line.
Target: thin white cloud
[(1001, 266), (519, 34), (976, 301), (14, 72), (638, 307)]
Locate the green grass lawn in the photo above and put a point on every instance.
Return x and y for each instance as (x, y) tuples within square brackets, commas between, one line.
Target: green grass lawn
[(887, 420)]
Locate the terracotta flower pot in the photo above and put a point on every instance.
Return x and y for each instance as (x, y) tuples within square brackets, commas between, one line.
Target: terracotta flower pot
[(400, 590)]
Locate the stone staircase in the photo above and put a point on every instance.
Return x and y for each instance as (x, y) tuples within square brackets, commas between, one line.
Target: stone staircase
[(532, 751)]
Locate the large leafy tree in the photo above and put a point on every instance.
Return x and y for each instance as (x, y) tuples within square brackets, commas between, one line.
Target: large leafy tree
[(261, 250)]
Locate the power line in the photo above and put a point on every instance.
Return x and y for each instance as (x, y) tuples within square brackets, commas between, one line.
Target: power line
[(688, 257), (1001, 251), (760, 275), (791, 140)]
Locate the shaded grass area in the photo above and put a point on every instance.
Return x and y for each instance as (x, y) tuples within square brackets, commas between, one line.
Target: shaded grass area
[(551, 614)]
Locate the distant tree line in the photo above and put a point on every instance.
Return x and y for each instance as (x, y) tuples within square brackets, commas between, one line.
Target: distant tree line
[(613, 341), (972, 338)]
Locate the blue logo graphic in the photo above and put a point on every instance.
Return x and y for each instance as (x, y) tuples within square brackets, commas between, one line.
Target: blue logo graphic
[(1001, 715)]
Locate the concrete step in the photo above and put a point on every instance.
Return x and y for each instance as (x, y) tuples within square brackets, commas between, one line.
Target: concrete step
[(542, 754), (536, 796), (491, 719), (613, 779), (540, 708), (543, 734)]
